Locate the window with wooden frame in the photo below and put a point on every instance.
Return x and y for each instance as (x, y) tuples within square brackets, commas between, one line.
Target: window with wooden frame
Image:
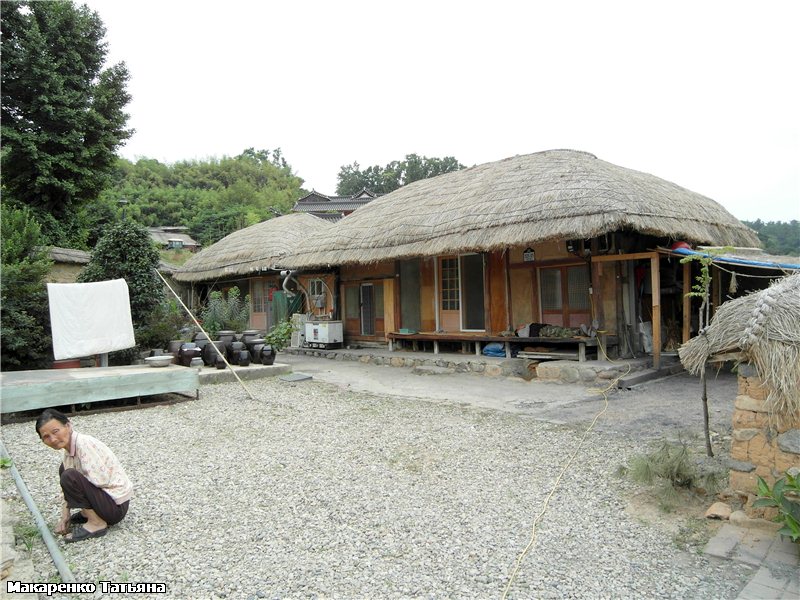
[(564, 295)]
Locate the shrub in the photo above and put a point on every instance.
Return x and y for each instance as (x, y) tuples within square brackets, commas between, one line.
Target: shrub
[(222, 313), (280, 335), (163, 324), (24, 311), (127, 252), (785, 496)]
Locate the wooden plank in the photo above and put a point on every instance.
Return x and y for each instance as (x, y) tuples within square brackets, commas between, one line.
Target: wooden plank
[(31, 390)]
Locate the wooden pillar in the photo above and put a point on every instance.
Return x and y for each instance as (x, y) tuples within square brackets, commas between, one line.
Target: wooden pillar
[(716, 290), (687, 300), (655, 280), (597, 293)]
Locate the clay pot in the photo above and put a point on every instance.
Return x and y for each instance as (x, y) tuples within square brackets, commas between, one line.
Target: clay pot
[(187, 354), (226, 336), (250, 334), (253, 342), (174, 346), (211, 351), (234, 348), (196, 362), (220, 362), (267, 355), (244, 358)]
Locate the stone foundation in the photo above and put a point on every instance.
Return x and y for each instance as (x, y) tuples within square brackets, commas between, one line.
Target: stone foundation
[(760, 446), (590, 372)]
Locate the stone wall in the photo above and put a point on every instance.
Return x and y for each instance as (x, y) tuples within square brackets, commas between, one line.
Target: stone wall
[(760, 446)]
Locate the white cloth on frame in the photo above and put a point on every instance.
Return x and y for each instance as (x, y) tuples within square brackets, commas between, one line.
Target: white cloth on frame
[(90, 318)]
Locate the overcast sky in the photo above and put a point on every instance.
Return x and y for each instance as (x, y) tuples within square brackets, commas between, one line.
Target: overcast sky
[(701, 93)]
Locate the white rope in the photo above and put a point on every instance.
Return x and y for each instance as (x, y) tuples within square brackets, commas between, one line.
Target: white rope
[(221, 354)]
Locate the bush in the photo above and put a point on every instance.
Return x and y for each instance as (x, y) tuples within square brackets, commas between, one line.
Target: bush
[(222, 313), (127, 252), (785, 496), (24, 311), (280, 335), (162, 325)]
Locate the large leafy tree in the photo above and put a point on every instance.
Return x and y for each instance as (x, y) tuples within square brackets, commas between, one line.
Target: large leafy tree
[(62, 113), (24, 312), (127, 252), (382, 180)]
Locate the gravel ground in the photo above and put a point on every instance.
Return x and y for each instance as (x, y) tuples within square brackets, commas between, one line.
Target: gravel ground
[(314, 491)]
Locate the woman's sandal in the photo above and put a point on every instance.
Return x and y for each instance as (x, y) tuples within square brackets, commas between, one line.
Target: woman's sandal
[(80, 533)]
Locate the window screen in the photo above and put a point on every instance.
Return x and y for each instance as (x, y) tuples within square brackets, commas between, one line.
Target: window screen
[(551, 289)]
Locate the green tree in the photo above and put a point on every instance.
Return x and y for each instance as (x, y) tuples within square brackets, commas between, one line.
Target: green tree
[(778, 237), (213, 197), (396, 174), (62, 113), (126, 251), (24, 312)]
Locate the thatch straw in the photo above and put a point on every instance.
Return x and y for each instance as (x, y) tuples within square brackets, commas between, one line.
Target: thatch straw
[(255, 248), (764, 327), (558, 194)]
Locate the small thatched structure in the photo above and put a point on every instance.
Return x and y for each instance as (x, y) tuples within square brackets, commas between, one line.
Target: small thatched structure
[(557, 194), (764, 328), (256, 248)]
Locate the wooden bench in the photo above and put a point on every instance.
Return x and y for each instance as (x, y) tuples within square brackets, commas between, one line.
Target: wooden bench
[(34, 390), (578, 343)]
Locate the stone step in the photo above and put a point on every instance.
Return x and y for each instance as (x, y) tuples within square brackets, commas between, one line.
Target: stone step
[(644, 375), (423, 370)]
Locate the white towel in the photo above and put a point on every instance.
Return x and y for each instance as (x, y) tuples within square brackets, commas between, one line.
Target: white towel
[(90, 318)]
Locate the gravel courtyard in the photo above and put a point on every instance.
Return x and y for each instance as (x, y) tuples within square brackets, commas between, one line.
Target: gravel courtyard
[(316, 491)]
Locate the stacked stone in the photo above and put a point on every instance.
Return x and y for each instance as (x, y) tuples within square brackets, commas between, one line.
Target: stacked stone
[(760, 446)]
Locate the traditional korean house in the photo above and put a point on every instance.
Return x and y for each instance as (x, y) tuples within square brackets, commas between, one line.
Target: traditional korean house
[(332, 208), (251, 259), (558, 238)]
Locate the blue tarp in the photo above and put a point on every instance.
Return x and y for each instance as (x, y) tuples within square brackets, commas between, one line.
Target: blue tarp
[(737, 261)]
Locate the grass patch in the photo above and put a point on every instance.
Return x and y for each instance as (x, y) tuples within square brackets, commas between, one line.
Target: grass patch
[(672, 469)]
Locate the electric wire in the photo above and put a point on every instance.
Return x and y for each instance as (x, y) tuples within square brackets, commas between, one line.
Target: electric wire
[(569, 462)]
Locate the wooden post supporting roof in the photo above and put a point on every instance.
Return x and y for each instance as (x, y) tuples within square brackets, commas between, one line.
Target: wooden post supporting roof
[(655, 280), (687, 301)]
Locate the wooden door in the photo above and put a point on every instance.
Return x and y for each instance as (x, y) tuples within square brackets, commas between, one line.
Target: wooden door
[(449, 294)]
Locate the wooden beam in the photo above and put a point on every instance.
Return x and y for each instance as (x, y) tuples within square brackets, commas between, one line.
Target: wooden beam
[(655, 280), (632, 256), (687, 300)]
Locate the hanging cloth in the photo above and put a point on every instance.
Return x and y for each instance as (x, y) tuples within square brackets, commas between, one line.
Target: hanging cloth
[(90, 318)]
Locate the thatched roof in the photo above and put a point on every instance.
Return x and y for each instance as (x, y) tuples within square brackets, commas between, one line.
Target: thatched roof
[(258, 247), (69, 255), (764, 327), (558, 194)]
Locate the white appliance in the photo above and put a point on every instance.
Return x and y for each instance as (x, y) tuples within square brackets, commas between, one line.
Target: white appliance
[(299, 330), (324, 334)]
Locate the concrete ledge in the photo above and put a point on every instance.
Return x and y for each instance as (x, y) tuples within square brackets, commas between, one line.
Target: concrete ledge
[(209, 375)]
